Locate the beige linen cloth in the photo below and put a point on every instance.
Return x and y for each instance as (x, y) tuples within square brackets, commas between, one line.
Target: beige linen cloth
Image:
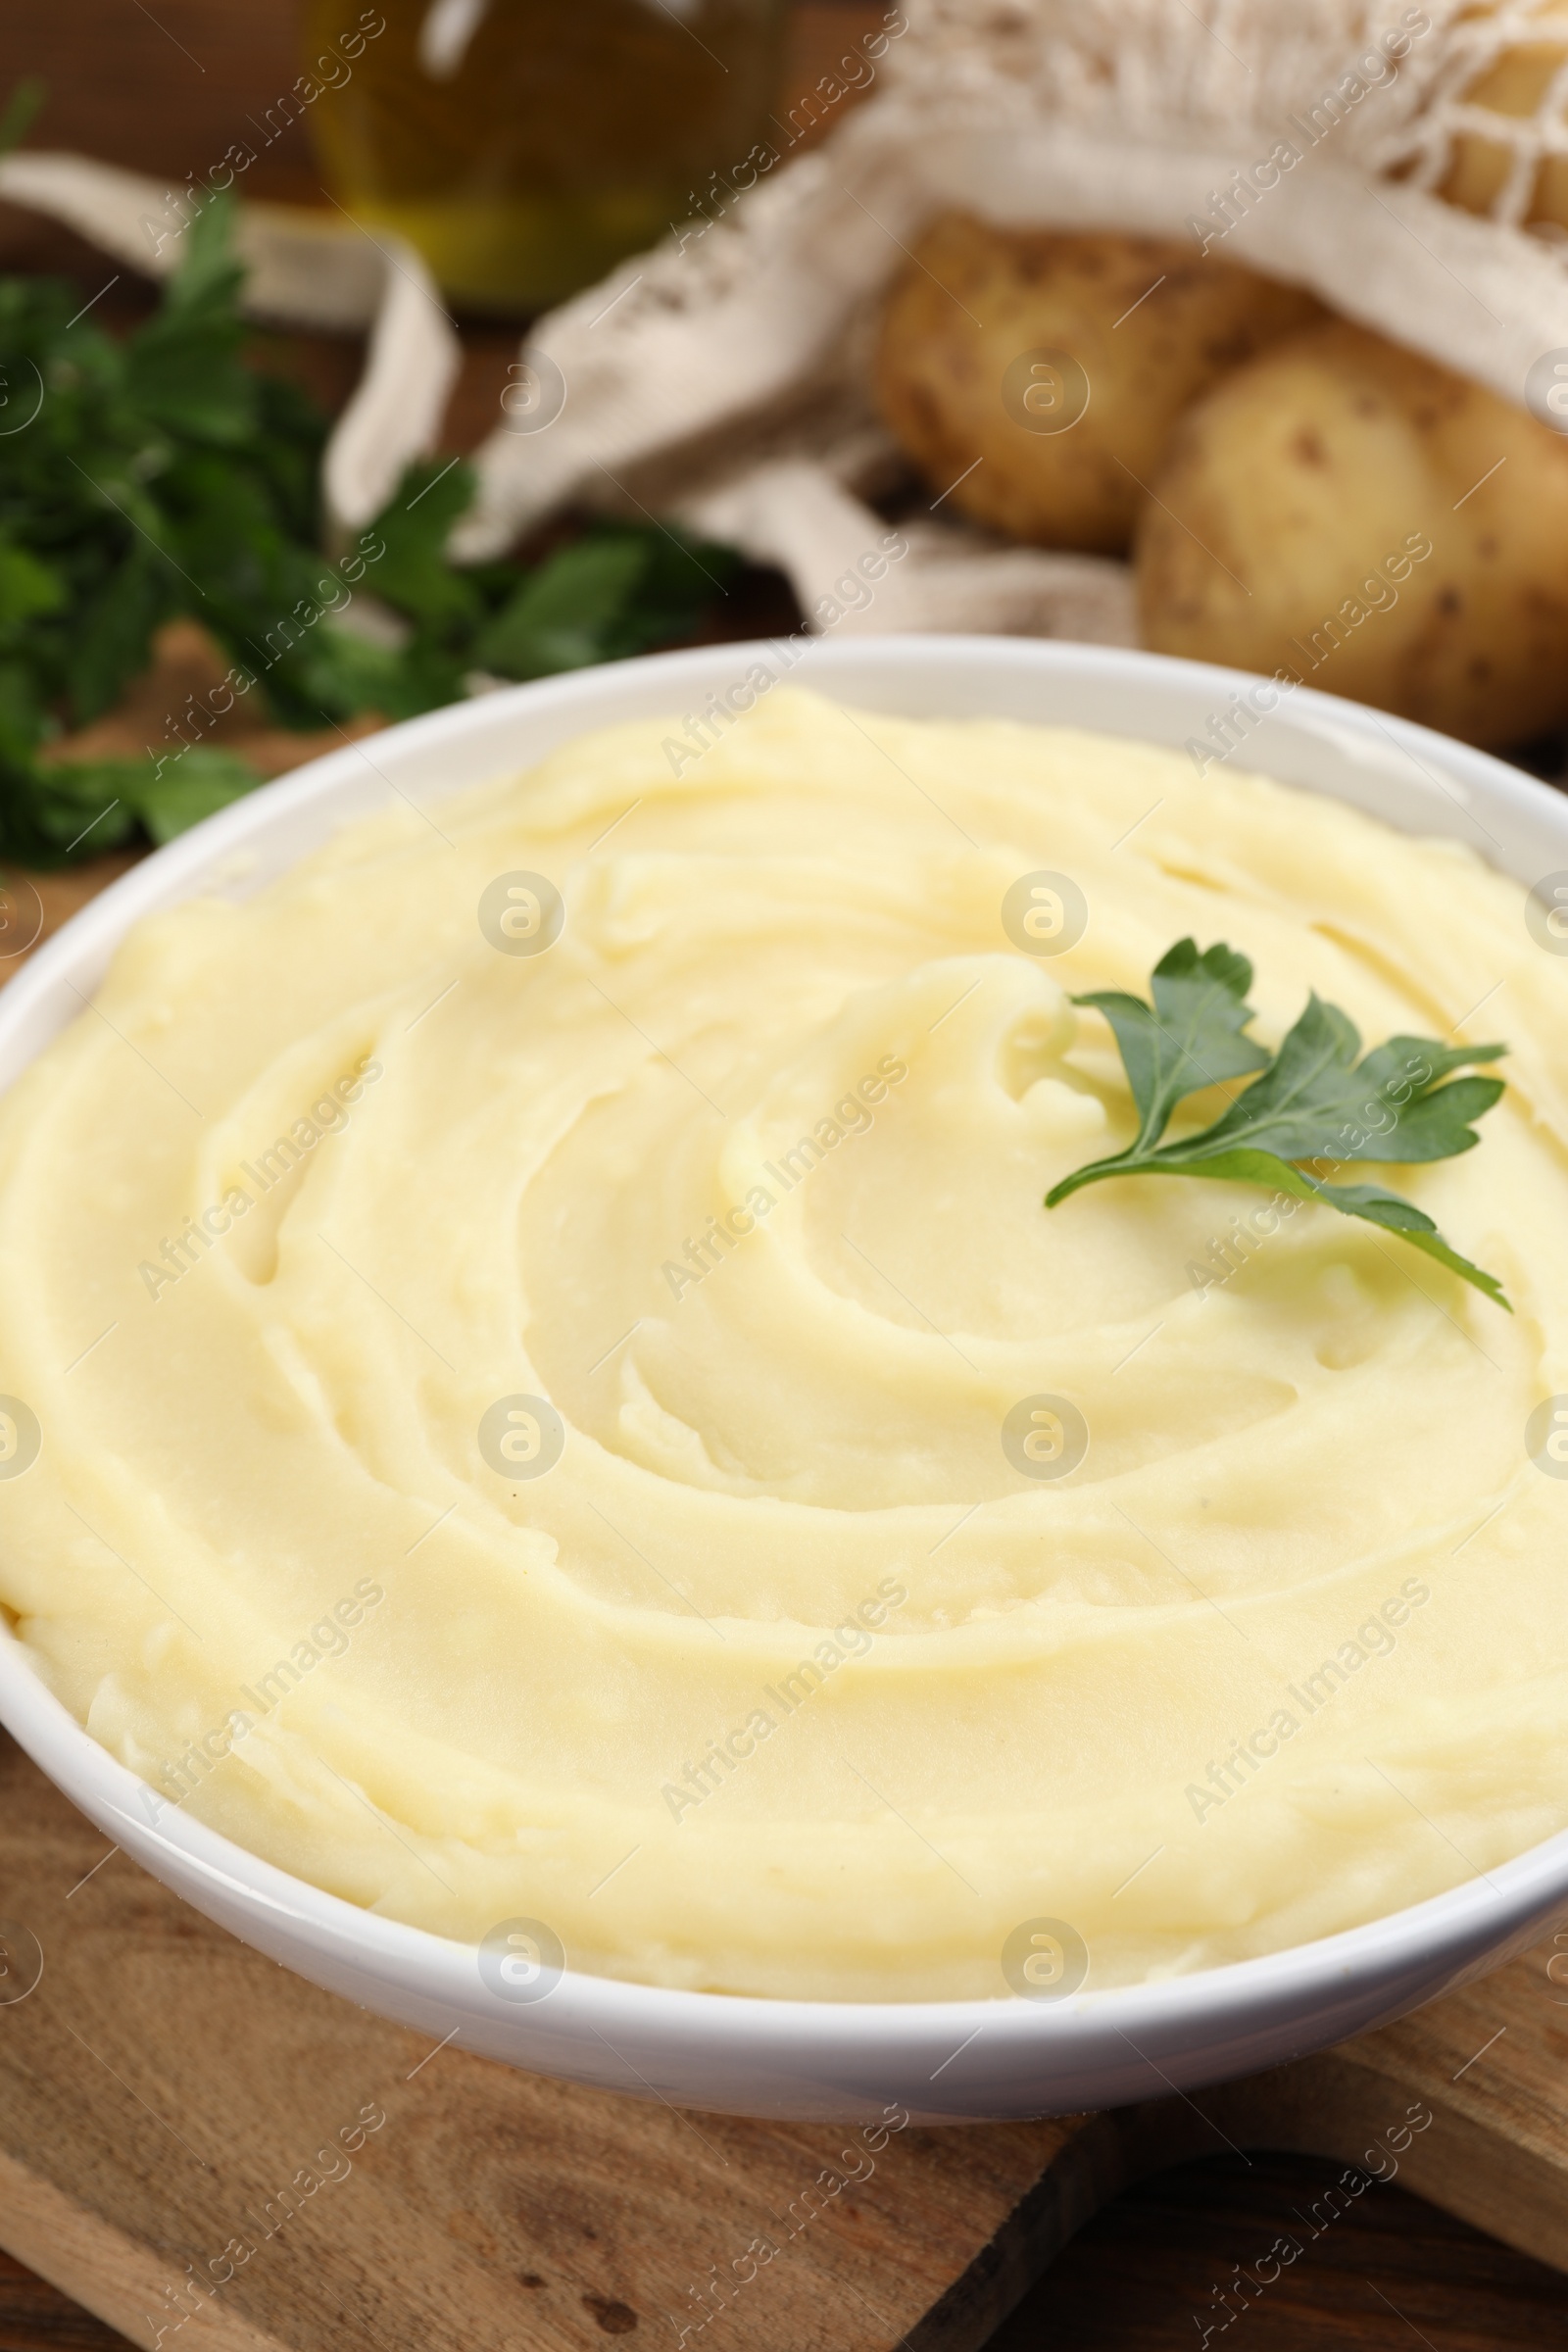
[(721, 380)]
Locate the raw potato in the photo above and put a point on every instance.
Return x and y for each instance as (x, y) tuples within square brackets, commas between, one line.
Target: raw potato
[(1513, 86), (977, 299), (1293, 508)]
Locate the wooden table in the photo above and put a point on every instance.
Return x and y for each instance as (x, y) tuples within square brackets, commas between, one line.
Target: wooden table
[(161, 2085), (161, 88)]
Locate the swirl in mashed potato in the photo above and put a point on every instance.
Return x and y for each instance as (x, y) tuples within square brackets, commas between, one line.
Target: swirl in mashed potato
[(521, 1433)]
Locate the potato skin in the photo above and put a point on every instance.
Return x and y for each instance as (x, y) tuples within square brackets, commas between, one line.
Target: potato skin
[(975, 297), (1290, 487)]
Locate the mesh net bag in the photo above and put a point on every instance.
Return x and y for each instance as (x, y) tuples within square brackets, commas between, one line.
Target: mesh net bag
[(723, 379)]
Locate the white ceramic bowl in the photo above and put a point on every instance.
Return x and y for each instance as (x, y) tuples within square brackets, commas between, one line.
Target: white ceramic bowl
[(944, 2061)]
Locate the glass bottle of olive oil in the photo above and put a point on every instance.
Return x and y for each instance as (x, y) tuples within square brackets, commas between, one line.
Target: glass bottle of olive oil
[(526, 146)]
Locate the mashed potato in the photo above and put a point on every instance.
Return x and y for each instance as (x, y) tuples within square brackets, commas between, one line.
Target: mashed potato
[(540, 1386)]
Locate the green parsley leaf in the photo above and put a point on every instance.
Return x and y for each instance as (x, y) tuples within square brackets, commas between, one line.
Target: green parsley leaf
[(617, 591), (183, 370), (1189, 1038), (413, 575), (560, 615), (90, 806), (1314, 1102), (20, 109), (170, 472), (27, 587), (1314, 1106), (203, 780)]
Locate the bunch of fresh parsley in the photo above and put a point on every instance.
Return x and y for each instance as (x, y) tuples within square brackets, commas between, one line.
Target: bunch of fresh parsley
[(164, 475), (1312, 1106)]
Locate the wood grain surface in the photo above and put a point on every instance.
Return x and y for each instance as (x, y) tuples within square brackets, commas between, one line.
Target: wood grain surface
[(167, 2093), (162, 2079)]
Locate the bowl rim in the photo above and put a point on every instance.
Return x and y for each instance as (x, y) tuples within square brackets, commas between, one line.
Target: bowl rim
[(1484, 1909), (444, 1969)]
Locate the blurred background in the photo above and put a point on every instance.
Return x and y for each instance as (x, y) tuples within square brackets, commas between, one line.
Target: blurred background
[(525, 150), (526, 146), (549, 142)]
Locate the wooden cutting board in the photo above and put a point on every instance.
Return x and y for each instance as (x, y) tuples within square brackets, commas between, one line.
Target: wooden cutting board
[(175, 2107)]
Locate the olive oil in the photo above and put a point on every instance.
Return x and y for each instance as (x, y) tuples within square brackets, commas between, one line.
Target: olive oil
[(526, 146)]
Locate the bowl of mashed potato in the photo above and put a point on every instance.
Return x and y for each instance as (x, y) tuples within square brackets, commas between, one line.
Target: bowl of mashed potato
[(530, 1317)]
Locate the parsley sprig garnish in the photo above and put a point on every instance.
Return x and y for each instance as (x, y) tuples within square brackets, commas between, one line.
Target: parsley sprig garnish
[(1312, 1106), (164, 474)]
